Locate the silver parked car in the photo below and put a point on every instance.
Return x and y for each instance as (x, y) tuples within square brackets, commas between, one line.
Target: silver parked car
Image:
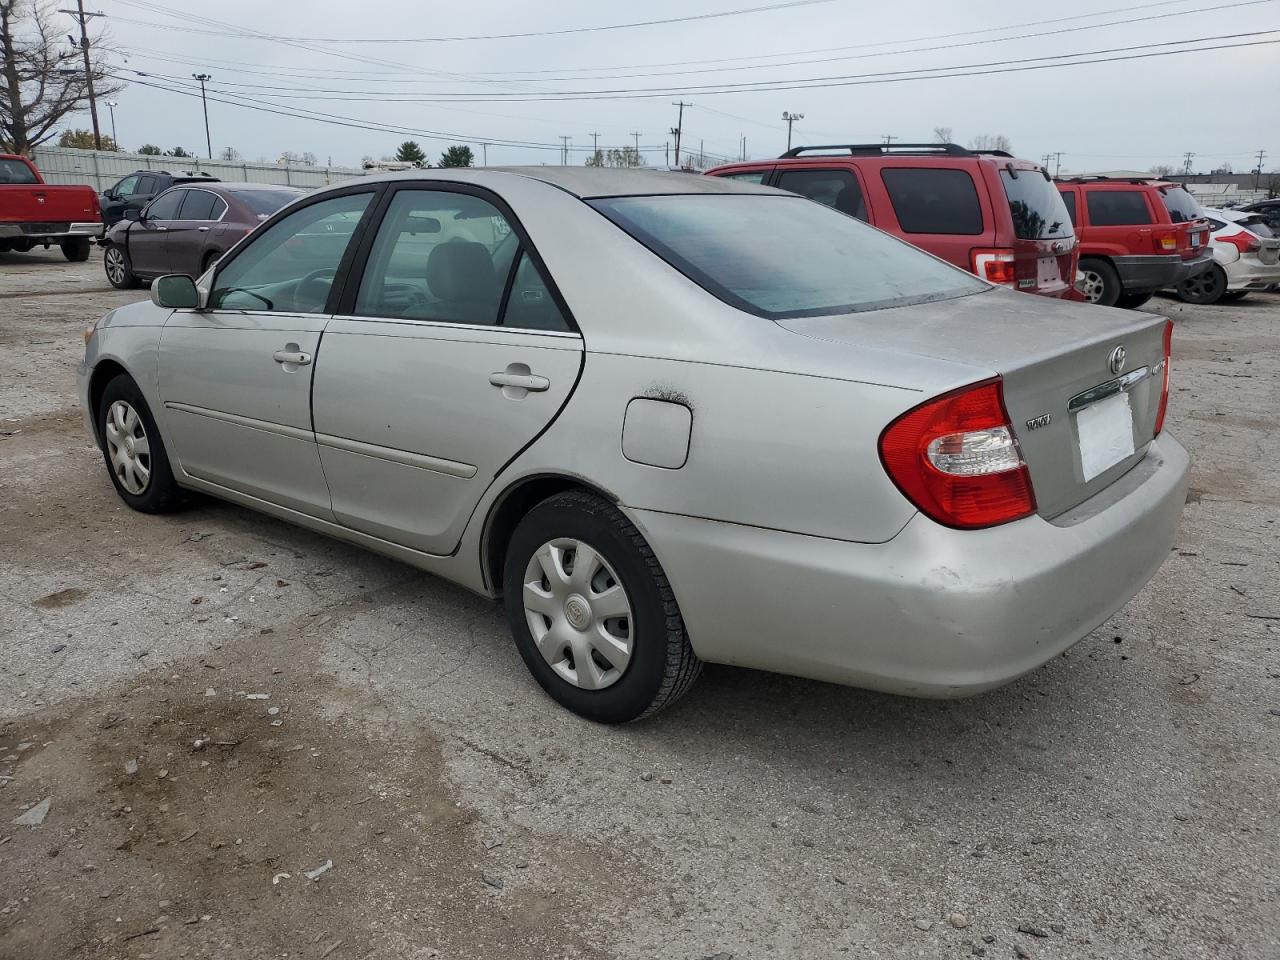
[(667, 420)]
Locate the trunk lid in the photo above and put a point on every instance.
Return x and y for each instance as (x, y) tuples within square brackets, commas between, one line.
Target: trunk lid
[(1079, 424)]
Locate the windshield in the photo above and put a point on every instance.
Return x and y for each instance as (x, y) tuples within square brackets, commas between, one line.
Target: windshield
[(15, 171), (267, 202), (1181, 205), (1256, 224), (1036, 205), (779, 256)]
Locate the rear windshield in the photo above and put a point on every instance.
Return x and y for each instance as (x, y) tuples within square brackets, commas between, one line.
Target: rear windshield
[(780, 257), (1036, 205), (1181, 205), (267, 202), (1255, 224), (15, 171)]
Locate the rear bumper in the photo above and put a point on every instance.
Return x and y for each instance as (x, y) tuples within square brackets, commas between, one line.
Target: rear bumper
[(934, 612), (50, 231), (1143, 274), (1249, 273)]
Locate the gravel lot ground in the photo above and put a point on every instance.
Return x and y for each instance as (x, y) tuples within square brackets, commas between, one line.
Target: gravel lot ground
[(1120, 802)]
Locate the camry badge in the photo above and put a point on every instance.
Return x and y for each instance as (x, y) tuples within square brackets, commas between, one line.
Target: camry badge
[(1115, 363)]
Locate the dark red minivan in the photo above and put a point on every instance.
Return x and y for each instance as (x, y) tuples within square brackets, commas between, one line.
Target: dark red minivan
[(985, 211)]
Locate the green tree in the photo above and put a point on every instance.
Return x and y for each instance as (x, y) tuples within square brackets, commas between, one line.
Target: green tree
[(410, 152), (83, 140), (457, 156), (177, 152), (626, 157), (150, 150)]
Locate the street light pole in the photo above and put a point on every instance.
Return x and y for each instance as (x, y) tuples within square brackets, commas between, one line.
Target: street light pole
[(208, 141), (790, 118), (111, 106)]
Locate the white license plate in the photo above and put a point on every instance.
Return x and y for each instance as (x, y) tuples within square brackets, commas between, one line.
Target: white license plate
[(1047, 272), (1105, 430), (1195, 238)]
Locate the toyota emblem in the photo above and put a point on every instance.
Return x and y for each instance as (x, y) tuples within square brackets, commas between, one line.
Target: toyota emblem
[(1115, 363)]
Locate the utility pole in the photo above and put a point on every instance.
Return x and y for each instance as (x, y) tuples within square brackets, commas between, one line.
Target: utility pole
[(111, 105), (679, 127), (790, 118), (595, 149), (564, 150), (1186, 164), (202, 77), (744, 147), (83, 17), (1057, 163), (1045, 160), (668, 163), (888, 140), (1257, 174), (484, 147), (637, 138)]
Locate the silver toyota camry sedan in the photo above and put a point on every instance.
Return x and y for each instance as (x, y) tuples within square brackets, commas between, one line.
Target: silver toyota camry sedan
[(666, 420)]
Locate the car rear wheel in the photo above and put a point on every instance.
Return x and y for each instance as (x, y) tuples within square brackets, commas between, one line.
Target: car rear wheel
[(134, 453), (592, 612), (1100, 283), (76, 249), (119, 269), (1131, 301), (1205, 288)]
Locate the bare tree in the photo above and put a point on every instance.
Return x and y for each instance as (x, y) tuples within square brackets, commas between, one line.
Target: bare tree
[(1161, 170), (942, 135), (41, 81), (991, 141)]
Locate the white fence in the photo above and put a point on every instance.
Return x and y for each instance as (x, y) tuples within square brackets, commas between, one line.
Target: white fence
[(100, 169)]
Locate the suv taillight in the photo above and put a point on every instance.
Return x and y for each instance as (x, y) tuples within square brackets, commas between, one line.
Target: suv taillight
[(1164, 241), (1243, 241), (955, 457), (1164, 390), (995, 266)]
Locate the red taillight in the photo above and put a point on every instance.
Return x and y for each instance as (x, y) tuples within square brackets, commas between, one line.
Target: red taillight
[(1164, 390), (1243, 241), (995, 266), (956, 458), (1165, 242)]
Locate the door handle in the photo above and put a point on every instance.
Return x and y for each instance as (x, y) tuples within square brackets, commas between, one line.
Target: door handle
[(203, 229), (296, 357), (522, 381)]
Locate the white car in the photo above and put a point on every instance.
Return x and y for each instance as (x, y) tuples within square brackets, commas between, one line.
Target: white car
[(1246, 256)]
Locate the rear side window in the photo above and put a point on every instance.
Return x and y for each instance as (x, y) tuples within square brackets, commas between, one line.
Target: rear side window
[(146, 186), (199, 205), (752, 176), (1036, 206), (1069, 200), (934, 200), (1117, 208), (266, 202), (779, 256), (837, 189), (1181, 205), (15, 171)]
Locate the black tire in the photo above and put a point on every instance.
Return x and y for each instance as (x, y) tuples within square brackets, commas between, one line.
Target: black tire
[(1131, 301), (76, 249), (662, 664), (119, 268), (1205, 288), (210, 258), (1231, 296), (161, 493), (1102, 283)]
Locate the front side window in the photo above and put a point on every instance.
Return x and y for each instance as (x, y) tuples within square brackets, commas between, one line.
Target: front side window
[(837, 189), (15, 171), (1117, 208), (934, 200), (126, 186), (290, 267), (1181, 205), (1036, 206), (165, 206), (199, 205), (779, 256), (438, 256)]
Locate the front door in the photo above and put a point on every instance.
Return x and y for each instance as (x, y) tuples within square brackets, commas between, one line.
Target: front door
[(149, 237), (454, 353), (189, 232), (236, 378)]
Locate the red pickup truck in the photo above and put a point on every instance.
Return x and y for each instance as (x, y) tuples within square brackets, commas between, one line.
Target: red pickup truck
[(34, 213)]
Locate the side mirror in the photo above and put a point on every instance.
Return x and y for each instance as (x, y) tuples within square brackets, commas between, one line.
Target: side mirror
[(132, 214), (175, 292)]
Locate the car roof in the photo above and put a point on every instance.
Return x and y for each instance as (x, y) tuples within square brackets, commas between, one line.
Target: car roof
[(583, 182)]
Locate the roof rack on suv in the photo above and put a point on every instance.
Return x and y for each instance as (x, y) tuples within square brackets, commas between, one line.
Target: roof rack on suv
[(1104, 178), (896, 149)]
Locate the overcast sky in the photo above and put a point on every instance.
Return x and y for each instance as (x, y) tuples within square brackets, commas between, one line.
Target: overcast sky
[(1222, 105)]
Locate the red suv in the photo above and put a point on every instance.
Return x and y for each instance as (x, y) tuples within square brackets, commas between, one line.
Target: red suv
[(983, 211), (1136, 237)]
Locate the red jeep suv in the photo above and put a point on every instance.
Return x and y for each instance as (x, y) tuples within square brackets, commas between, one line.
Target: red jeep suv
[(1136, 237), (985, 211)]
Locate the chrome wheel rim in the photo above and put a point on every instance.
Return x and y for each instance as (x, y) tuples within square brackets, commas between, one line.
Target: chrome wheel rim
[(114, 261), (1092, 286), (128, 448), (578, 613)]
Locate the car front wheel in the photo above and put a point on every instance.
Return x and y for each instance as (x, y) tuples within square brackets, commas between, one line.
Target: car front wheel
[(1100, 283), (1206, 288), (135, 455), (592, 612), (119, 268)]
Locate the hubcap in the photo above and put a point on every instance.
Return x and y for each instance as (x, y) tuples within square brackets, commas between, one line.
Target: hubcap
[(115, 265), (578, 613), (128, 448), (1092, 286)]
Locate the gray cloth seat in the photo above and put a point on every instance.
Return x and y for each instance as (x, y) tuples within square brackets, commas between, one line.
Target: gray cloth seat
[(462, 280)]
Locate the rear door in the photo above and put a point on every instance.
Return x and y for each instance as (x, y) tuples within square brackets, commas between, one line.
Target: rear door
[(149, 236), (939, 209), (144, 191), (1121, 218), (451, 353)]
